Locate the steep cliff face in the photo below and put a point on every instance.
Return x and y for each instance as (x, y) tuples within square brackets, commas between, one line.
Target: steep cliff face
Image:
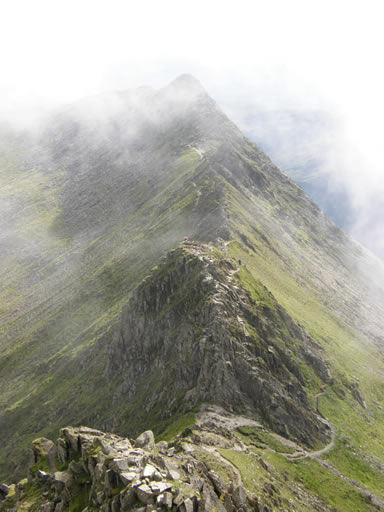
[(192, 334)]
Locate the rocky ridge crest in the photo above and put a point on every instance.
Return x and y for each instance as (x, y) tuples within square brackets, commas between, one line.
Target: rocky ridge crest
[(193, 334)]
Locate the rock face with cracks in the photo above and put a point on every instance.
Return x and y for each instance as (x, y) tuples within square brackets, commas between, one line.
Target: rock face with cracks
[(192, 334)]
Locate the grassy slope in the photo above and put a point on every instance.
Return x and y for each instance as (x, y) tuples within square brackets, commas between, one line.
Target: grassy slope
[(352, 358), (79, 303), (285, 245), (69, 300)]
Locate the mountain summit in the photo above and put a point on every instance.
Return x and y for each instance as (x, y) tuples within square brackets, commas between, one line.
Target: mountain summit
[(157, 264), (187, 82)]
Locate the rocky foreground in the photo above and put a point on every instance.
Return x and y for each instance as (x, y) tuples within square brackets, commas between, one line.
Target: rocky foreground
[(89, 470), (222, 462)]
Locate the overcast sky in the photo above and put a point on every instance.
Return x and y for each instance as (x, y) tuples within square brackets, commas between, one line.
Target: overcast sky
[(300, 54)]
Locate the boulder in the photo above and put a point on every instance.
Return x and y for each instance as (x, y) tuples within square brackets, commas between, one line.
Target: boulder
[(145, 495), (41, 447), (145, 440), (178, 498), (122, 445), (127, 476), (148, 471), (159, 487), (167, 501), (239, 496), (119, 465), (127, 498), (162, 446), (187, 506), (209, 501)]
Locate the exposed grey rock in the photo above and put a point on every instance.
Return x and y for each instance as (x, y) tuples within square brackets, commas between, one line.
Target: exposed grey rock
[(217, 482), (173, 474), (115, 505), (148, 471), (127, 477), (187, 506), (167, 500), (178, 497), (119, 465), (110, 482), (62, 477), (72, 437), (239, 496), (43, 477), (157, 476), (92, 431), (150, 482), (106, 447), (159, 487), (162, 446), (146, 440), (145, 495), (75, 467), (100, 498), (40, 447), (209, 501), (228, 503), (128, 498), (123, 445), (62, 450), (196, 483)]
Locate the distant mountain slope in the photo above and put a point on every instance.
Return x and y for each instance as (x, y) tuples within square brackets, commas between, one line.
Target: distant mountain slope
[(302, 143), (95, 200)]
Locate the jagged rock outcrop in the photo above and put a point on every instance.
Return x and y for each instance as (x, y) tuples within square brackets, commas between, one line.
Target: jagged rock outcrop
[(100, 471), (192, 333)]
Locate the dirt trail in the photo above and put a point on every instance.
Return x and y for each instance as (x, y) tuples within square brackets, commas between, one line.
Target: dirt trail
[(329, 446), (300, 452)]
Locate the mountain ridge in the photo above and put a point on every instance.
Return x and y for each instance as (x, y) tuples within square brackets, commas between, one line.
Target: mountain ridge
[(107, 195)]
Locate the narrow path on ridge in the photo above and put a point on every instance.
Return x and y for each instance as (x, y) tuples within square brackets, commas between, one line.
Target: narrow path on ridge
[(302, 453)]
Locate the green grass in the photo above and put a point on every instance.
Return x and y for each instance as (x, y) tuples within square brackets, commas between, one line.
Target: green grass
[(261, 439), (318, 480), (215, 464), (80, 500), (42, 465), (347, 352), (291, 475), (176, 426), (30, 497), (349, 460), (252, 474)]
